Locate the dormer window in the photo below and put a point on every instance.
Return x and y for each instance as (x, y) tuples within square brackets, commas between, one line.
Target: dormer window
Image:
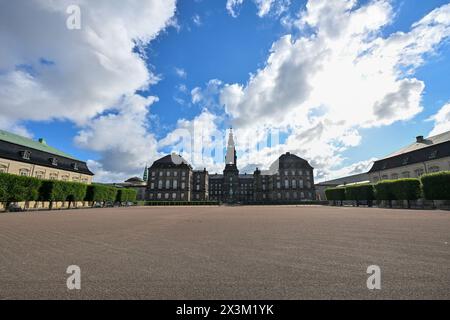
[(26, 154), (75, 166), (405, 161), (54, 161), (433, 154)]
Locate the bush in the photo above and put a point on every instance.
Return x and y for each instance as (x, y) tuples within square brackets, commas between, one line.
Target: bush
[(15, 188), (436, 186), (383, 190), (126, 195), (406, 189), (53, 190), (100, 193), (361, 192), (335, 194)]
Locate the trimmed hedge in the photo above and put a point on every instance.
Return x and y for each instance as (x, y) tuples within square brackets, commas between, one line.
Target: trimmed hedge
[(100, 193), (53, 190), (335, 193), (362, 192), (383, 190), (126, 195), (406, 189), (15, 188), (436, 186)]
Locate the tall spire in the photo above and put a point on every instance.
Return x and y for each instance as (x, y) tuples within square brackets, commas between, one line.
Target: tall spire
[(145, 177), (231, 149)]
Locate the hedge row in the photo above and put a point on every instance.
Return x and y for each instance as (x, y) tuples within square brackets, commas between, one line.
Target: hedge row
[(434, 186), (15, 188), (181, 203)]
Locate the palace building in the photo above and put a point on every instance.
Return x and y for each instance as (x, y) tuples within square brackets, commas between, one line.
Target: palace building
[(289, 179), (26, 157)]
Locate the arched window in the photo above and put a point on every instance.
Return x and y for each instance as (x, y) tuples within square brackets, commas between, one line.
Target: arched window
[(433, 169), (394, 176), (3, 169), (40, 174), (294, 183), (405, 174), (167, 184), (175, 184), (24, 172)]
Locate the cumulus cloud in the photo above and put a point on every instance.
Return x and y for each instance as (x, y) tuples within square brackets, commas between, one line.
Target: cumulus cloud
[(441, 120), (340, 76), (198, 140), (88, 76)]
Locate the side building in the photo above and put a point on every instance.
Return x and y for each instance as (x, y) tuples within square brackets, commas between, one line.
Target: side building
[(26, 157), (425, 155)]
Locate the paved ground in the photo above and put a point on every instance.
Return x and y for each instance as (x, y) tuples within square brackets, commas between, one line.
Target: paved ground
[(225, 253)]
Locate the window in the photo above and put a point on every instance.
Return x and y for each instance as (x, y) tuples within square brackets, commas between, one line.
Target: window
[(182, 196), (166, 196), (279, 195), (394, 176), (278, 185), (175, 173), (168, 173), (175, 184), (65, 178), (198, 187), (3, 169), (286, 183), (308, 185), (40, 174), (54, 161), (167, 184), (264, 187), (405, 174), (24, 172), (302, 195), (294, 183), (418, 172), (153, 173), (53, 176), (174, 196), (26, 154), (405, 160), (159, 195), (183, 173), (75, 166), (300, 182), (160, 184), (76, 179), (433, 169), (375, 179), (294, 195), (160, 173), (183, 185), (152, 185), (286, 172), (433, 154), (384, 177)]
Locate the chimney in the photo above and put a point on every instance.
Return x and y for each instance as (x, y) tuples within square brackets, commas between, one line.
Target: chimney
[(419, 139), (42, 141)]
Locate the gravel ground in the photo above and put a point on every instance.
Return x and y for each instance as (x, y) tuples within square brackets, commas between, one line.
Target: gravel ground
[(303, 252)]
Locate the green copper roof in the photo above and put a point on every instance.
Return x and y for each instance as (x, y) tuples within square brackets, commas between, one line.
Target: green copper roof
[(29, 143)]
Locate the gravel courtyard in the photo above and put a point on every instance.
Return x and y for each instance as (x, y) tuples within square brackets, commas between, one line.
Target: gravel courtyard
[(225, 253)]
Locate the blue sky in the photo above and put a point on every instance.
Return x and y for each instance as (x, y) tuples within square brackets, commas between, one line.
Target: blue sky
[(199, 41)]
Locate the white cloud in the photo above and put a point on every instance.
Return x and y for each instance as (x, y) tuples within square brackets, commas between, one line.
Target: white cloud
[(441, 120), (181, 73), (197, 20), (340, 77), (196, 139), (232, 5), (264, 7), (87, 76)]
